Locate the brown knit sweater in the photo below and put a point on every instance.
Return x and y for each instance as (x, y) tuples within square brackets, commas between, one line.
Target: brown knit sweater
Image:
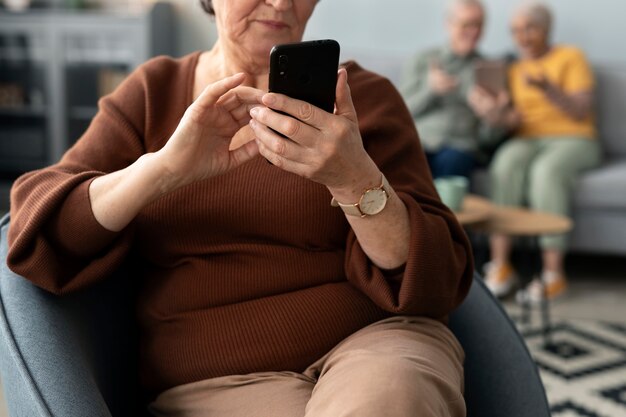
[(250, 271)]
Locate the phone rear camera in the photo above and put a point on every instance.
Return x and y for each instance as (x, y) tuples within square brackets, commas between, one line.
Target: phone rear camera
[(283, 60)]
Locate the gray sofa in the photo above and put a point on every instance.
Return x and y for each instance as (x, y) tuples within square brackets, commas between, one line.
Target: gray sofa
[(599, 206), (600, 199)]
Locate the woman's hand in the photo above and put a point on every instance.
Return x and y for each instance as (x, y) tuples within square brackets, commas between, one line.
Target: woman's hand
[(578, 105), (326, 148), (199, 148), (540, 81)]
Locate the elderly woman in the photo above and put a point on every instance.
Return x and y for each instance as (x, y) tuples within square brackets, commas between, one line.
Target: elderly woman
[(257, 297), (555, 139)]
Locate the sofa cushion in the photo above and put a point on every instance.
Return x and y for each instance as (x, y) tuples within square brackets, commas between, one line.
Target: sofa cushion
[(610, 105), (603, 188)]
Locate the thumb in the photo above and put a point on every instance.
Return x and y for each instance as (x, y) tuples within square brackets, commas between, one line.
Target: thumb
[(343, 99), (244, 153)]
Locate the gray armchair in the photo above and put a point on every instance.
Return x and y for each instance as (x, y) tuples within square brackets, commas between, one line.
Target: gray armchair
[(74, 356)]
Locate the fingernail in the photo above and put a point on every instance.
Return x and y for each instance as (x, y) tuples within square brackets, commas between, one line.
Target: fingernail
[(269, 99), (253, 123), (254, 111)]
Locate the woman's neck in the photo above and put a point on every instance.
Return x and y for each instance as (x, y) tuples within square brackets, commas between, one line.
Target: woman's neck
[(222, 61), (540, 53)]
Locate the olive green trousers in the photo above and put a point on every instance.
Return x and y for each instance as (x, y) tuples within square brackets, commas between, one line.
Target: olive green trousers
[(541, 174)]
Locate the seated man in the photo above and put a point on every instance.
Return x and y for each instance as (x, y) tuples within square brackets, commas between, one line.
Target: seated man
[(436, 85)]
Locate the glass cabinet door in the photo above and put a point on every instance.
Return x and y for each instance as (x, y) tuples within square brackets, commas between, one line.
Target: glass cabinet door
[(24, 121), (95, 64)]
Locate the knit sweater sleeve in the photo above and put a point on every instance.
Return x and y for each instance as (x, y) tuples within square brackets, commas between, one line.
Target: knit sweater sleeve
[(54, 239), (439, 269)]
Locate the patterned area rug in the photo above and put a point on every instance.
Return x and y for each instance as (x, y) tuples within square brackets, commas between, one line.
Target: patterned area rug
[(583, 367)]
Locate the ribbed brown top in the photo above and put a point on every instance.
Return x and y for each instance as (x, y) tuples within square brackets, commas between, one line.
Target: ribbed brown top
[(250, 271)]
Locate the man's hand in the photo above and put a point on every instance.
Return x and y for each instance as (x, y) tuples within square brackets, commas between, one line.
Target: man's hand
[(441, 82)]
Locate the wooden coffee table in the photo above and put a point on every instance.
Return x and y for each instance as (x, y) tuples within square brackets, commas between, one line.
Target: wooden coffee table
[(517, 221), (482, 215), (475, 210)]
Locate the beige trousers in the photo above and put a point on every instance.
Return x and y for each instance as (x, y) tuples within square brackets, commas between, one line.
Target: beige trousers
[(397, 367)]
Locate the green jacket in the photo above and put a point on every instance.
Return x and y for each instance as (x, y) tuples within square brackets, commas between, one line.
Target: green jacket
[(444, 120)]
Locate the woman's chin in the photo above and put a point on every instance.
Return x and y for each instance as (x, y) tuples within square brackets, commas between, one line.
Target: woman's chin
[(530, 52), (525, 53), (259, 48), (262, 49)]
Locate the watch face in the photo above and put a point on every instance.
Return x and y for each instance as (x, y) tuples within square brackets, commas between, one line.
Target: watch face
[(373, 202)]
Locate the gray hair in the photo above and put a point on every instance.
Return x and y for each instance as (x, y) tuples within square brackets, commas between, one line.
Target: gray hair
[(538, 13), (454, 4)]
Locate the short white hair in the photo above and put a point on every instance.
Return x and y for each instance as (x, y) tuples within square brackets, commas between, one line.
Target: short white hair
[(538, 13), (454, 4)]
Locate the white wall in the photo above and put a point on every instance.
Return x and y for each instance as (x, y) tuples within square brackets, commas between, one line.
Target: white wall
[(195, 29), (597, 26), (397, 28), (403, 26)]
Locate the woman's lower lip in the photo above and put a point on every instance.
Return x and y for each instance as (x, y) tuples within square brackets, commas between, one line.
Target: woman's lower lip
[(273, 25)]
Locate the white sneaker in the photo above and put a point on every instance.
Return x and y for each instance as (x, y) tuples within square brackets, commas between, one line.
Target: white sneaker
[(550, 286), (500, 278)]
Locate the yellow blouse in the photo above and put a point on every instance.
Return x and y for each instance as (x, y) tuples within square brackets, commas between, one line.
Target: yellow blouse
[(566, 67)]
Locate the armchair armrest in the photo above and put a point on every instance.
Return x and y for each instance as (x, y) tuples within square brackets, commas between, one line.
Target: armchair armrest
[(501, 378), (68, 356)]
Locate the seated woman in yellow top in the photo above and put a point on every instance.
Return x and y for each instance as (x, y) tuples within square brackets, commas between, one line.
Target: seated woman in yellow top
[(554, 140)]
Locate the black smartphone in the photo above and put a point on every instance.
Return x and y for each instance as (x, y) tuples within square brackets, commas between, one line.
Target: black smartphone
[(306, 71)]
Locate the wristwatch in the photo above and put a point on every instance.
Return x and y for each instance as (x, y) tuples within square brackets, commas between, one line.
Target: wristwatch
[(372, 201)]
